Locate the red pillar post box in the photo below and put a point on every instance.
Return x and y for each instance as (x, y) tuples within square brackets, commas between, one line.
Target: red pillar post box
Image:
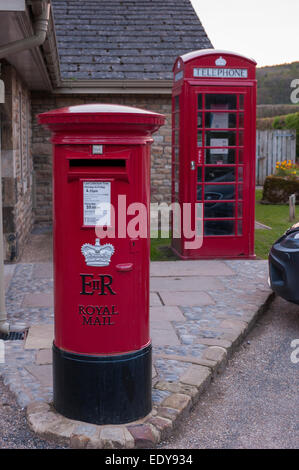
[(101, 185), (213, 153)]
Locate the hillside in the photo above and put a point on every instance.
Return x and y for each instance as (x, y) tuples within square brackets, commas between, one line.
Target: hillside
[(274, 83)]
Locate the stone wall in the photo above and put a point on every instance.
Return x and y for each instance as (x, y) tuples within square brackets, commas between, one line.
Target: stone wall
[(41, 147), (16, 135)]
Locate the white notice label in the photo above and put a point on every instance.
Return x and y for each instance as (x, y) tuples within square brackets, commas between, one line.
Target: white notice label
[(219, 120), (219, 143), (96, 203)]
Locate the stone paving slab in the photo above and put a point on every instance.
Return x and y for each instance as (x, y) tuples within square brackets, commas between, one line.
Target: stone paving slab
[(166, 313), (185, 284), (155, 300), (40, 337), (190, 268), (43, 356), (164, 333), (191, 343), (42, 373), (160, 325), (186, 299)]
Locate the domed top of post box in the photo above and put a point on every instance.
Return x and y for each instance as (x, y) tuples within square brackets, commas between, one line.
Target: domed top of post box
[(102, 118)]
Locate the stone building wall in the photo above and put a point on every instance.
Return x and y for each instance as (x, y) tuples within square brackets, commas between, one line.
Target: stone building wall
[(41, 146), (16, 156)]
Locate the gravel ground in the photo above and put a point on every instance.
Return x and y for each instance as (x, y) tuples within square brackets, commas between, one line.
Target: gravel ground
[(254, 404), (14, 431)]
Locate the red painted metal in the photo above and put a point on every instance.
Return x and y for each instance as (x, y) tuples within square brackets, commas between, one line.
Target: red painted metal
[(100, 310), (213, 151)]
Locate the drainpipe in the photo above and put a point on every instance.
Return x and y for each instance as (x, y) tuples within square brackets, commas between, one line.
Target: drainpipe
[(4, 325), (40, 28)]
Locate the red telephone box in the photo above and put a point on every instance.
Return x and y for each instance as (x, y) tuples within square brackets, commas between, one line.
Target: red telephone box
[(213, 153), (101, 180)]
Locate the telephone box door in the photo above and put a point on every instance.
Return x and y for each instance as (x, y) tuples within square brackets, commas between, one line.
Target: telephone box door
[(222, 174)]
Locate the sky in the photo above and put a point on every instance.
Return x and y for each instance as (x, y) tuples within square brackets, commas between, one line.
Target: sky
[(266, 30)]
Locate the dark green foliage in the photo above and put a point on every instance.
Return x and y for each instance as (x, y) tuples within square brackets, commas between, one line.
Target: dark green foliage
[(274, 83)]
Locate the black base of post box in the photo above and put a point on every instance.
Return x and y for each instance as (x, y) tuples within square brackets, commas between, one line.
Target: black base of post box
[(103, 389)]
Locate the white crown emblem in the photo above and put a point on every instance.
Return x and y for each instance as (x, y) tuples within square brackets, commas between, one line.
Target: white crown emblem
[(220, 61), (97, 255)]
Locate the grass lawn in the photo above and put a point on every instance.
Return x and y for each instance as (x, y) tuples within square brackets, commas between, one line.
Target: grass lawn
[(274, 216), (160, 250)]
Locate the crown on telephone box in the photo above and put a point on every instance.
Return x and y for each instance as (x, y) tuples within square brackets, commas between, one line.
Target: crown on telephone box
[(220, 61), (97, 254)]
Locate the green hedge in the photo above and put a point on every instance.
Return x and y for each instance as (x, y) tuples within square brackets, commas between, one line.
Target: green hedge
[(289, 121), (277, 190)]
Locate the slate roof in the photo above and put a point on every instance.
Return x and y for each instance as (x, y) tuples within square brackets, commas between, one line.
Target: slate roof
[(124, 39)]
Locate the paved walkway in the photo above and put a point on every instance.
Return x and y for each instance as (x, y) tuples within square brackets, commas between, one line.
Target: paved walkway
[(200, 311)]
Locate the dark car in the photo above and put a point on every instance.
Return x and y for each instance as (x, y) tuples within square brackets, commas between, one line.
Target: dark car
[(284, 265)]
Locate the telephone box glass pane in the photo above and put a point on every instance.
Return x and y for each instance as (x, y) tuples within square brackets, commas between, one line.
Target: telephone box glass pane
[(240, 173), (220, 156), (218, 174), (199, 192), (217, 192), (177, 103), (240, 191), (221, 101), (221, 138), (199, 156), (199, 211), (241, 156), (199, 174), (219, 210), (241, 120), (199, 120), (219, 227), (199, 227), (199, 139), (199, 101), (240, 227), (240, 210), (241, 138), (221, 120), (241, 101)]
